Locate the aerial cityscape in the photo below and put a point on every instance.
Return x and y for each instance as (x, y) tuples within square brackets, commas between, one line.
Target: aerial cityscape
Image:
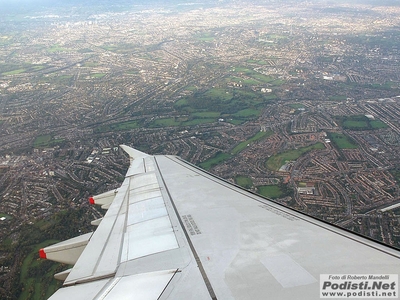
[(296, 101)]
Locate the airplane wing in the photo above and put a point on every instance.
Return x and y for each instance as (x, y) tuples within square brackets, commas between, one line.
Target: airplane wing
[(174, 231)]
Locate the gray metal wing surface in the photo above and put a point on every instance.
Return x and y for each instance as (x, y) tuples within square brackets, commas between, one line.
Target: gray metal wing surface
[(173, 231)]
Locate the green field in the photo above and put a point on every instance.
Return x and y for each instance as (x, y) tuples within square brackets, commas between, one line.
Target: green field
[(256, 78), (256, 137), (90, 64), (244, 181), (275, 37), (98, 75), (270, 191), (221, 157), (238, 104), (110, 47), (249, 81), (128, 125), (355, 124), (181, 103), (278, 160), (31, 268), (219, 94), (59, 79), (38, 67), (206, 114), (56, 48), (35, 280), (236, 121), (14, 72), (215, 160), (396, 175), (191, 88), (342, 141), (46, 140), (258, 62), (5, 216), (386, 86), (198, 121), (205, 37), (263, 78), (236, 79), (296, 105), (377, 124), (42, 141), (246, 113), (270, 97), (235, 106), (7, 243), (360, 122), (242, 70)]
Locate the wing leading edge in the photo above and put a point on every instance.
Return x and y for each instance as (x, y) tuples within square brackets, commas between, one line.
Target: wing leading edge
[(173, 231)]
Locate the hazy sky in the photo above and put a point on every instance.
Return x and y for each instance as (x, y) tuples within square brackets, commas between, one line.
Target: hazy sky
[(56, 2), (26, 5)]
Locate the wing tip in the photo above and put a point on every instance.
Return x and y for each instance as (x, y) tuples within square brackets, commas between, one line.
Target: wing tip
[(42, 254), (133, 153)]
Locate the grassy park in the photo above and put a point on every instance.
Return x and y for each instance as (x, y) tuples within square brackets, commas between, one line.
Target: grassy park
[(278, 160), (56, 48), (244, 181), (47, 140), (258, 136), (14, 72), (221, 156), (270, 191), (360, 122), (35, 279), (342, 141), (215, 160), (236, 106), (32, 267)]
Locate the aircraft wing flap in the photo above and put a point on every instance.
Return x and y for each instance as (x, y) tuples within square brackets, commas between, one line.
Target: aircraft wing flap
[(101, 257), (148, 228), (146, 238), (96, 222), (81, 291), (137, 224), (62, 275), (146, 286), (145, 210)]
